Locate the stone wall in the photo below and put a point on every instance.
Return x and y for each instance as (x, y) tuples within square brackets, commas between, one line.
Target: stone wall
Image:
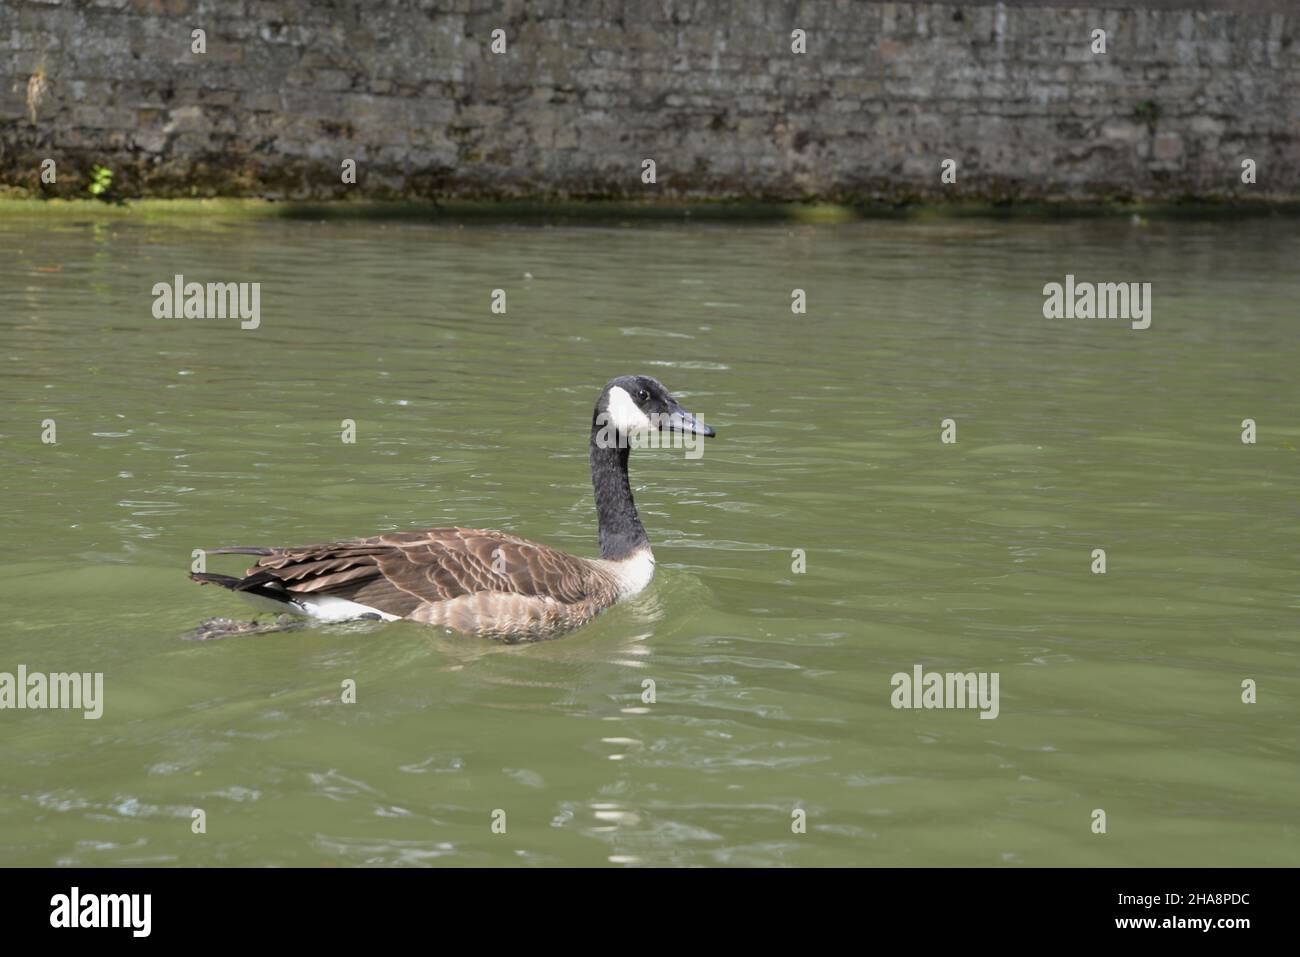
[(586, 90)]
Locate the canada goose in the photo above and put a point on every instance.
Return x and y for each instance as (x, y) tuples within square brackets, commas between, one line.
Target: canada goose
[(483, 583)]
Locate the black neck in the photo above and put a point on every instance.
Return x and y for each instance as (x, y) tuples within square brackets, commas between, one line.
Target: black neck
[(621, 532)]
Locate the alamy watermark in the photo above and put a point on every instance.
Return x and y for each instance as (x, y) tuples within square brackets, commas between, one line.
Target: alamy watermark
[(214, 300), (80, 690), (1103, 300), (75, 909), (932, 689), (660, 430)]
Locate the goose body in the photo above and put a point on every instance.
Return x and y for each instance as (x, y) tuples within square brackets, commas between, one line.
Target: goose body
[(482, 582)]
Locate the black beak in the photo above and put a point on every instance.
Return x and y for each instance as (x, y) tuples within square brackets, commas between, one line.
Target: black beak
[(679, 420)]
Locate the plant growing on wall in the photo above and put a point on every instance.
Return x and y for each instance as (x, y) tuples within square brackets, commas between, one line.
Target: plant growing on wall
[(101, 182), (1148, 111)]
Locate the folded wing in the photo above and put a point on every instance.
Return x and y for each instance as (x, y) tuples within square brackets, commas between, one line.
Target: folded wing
[(402, 572)]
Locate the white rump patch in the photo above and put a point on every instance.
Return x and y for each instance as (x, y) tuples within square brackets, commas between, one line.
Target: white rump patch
[(322, 607), (633, 574), (624, 414)]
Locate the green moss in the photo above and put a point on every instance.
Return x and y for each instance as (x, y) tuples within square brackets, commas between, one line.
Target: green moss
[(605, 211)]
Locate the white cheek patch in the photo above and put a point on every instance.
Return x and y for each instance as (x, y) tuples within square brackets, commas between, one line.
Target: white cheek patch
[(623, 413)]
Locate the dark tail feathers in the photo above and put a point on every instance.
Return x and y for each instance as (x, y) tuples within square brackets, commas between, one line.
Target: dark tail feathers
[(225, 581)]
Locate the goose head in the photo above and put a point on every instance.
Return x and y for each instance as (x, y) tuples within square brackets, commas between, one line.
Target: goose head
[(638, 404)]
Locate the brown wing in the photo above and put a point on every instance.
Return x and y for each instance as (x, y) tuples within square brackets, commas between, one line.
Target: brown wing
[(398, 572)]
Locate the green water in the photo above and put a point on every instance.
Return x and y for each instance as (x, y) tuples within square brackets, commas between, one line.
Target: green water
[(1119, 692)]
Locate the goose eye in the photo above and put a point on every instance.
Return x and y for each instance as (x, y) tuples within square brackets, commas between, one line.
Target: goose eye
[(643, 395)]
